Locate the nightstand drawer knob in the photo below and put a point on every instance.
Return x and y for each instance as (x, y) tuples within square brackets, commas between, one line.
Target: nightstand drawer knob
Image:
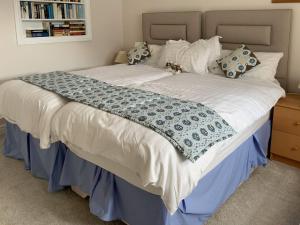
[(294, 149), (297, 123)]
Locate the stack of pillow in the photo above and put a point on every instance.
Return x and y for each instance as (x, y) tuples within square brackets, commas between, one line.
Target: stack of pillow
[(207, 57)]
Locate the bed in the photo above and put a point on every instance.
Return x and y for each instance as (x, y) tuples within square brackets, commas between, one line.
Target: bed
[(144, 190), (33, 108)]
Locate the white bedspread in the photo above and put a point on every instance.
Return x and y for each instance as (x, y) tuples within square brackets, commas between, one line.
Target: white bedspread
[(146, 159), (32, 108)]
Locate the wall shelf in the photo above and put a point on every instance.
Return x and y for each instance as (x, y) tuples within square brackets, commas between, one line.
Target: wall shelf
[(41, 20), (64, 2), (49, 21)]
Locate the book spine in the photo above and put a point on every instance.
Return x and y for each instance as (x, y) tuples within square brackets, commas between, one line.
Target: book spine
[(30, 10), (71, 11), (55, 13), (82, 12), (42, 11), (24, 10), (22, 4), (39, 33), (51, 12), (65, 11), (62, 8), (59, 12), (45, 11), (34, 11), (74, 12)]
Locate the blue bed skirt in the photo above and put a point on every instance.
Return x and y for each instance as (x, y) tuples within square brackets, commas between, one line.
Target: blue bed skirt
[(112, 198)]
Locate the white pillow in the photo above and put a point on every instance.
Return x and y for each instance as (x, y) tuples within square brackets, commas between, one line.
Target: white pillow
[(192, 57), (265, 71), (215, 48), (171, 49), (178, 52), (156, 51)]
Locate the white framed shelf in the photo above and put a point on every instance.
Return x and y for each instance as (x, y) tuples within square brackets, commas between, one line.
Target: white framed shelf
[(50, 21), (51, 1), (41, 20)]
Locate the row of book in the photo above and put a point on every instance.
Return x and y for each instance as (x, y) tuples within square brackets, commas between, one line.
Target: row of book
[(68, 29), (33, 10), (57, 29), (76, 1)]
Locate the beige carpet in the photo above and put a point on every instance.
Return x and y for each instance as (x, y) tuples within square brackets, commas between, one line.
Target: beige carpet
[(270, 197)]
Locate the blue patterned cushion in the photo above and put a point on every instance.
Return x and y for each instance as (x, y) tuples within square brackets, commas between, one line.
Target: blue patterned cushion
[(138, 54), (238, 62)]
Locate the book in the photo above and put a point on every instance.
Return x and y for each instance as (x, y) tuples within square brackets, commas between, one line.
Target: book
[(24, 10), (42, 11), (60, 29), (55, 11), (39, 33), (30, 9), (60, 11), (51, 13)]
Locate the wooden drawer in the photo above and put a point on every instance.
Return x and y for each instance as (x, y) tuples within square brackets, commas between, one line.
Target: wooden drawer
[(287, 120), (286, 145)]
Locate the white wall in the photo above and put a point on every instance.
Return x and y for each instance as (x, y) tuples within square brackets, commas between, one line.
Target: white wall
[(132, 10), (21, 59)]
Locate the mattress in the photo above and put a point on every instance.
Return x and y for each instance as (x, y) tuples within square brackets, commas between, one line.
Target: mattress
[(33, 108), (147, 160)]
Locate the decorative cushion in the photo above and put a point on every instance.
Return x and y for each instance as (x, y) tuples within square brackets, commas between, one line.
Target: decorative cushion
[(214, 66), (139, 53), (265, 71), (238, 62), (174, 68)]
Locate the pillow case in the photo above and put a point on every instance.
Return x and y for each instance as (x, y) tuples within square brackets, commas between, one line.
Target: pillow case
[(238, 62), (265, 71), (155, 51), (192, 57), (215, 49), (139, 53), (170, 50)]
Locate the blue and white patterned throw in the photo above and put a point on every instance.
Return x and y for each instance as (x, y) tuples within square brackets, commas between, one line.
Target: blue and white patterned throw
[(190, 127)]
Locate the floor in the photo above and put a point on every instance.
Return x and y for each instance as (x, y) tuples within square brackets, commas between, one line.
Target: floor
[(270, 197)]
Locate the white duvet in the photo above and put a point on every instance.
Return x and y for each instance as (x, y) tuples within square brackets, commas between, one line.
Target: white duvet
[(146, 159), (32, 108)]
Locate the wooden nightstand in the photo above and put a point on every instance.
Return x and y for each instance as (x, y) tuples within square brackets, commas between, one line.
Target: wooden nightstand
[(285, 145)]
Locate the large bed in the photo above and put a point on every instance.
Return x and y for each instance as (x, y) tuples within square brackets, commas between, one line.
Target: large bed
[(130, 172)]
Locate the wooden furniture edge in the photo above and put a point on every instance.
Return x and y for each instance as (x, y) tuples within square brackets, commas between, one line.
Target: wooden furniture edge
[(285, 1), (285, 160)]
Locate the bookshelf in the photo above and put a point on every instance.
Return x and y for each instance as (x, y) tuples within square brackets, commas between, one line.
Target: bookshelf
[(49, 21)]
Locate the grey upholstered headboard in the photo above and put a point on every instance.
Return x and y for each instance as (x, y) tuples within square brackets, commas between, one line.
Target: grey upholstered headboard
[(260, 30), (160, 27)]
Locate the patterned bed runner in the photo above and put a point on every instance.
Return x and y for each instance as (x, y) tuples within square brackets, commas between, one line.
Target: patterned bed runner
[(190, 127)]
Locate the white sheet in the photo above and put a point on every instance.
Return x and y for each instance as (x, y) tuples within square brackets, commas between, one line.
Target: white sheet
[(146, 159), (32, 108)]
